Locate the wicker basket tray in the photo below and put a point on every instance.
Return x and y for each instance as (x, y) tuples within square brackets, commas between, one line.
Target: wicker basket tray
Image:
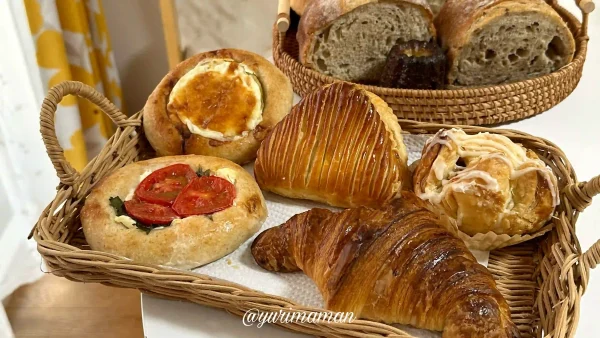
[(470, 106), (542, 280)]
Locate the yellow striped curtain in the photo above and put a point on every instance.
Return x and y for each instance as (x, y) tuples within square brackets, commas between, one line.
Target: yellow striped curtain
[(72, 43)]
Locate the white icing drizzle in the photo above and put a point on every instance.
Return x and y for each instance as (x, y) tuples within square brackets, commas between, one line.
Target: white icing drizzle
[(457, 183), (473, 149)]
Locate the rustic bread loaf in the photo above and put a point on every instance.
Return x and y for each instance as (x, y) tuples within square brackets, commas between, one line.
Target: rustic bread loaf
[(435, 6), (350, 39), (298, 6), (501, 41)]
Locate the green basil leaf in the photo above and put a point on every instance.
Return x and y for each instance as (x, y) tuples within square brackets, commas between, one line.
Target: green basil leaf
[(144, 227), (201, 172), (118, 205)]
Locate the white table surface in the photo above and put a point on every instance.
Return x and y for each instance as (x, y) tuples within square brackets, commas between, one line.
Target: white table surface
[(574, 125)]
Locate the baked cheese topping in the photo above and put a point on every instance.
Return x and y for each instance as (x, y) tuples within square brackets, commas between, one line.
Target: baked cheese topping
[(219, 99), (126, 221), (227, 173)]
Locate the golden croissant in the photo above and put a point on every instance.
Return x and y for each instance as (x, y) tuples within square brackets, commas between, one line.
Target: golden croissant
[(340, 145), (486, 183), (395, 265)]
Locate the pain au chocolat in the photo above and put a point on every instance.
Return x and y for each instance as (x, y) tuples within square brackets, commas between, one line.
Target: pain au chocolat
[(340, 145), (220, 103)]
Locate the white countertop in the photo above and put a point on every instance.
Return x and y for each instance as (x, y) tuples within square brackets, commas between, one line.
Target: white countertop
[(574, 125)]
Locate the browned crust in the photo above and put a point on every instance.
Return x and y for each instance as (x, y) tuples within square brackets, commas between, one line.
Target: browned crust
[(394, 265), (340, 145), (319, 14), (458, 19), (168, 136), (299, 6), (191, 242)]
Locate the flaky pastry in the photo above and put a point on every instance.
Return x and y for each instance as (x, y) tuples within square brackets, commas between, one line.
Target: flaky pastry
[(486, 183), (340, 145)]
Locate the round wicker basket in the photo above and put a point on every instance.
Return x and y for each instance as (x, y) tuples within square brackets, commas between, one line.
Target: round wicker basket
[(543, 280), (469, 106)]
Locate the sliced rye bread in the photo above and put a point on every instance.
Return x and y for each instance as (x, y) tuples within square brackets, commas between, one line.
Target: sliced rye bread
[(492, 42), (350, 39)]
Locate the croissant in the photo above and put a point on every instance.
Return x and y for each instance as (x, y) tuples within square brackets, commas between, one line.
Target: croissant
[(396, 265), (486, 183), (340, 145)]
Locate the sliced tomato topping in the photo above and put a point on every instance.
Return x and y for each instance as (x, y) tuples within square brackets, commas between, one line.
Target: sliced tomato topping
[(205, 195), (149, 213), (163, 185)]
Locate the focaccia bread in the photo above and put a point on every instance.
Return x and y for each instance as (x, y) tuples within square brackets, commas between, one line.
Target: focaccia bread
[(220, 103), (350, 39), (340, 145), (486, 183), (185, 242), (500, 41)]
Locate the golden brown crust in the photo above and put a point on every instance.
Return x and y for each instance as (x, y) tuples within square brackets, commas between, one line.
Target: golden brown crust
[(459, 19), (187, 243), (319, 14), (395, 265), (511, 194), (340, 145), (168, 136)]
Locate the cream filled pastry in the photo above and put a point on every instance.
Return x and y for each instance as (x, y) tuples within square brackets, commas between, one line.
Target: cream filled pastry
[(486, 183), (221, 103)]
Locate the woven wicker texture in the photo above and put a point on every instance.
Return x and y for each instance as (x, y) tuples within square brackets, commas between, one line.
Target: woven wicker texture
[(469, 106), (543, 280)]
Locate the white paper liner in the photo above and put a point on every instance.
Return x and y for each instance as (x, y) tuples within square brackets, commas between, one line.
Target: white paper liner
[(491, 241)]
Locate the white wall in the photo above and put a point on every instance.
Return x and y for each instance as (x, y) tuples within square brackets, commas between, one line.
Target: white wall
[(135, 29)]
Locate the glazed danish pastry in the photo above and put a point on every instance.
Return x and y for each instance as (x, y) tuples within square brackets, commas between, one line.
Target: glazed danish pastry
[(486, 183), (340, 145), (221, 103)]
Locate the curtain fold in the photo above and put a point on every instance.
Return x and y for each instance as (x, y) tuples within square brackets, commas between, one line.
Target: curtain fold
[(72, 43)]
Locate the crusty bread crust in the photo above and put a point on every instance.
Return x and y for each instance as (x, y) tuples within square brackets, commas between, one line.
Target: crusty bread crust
[(186, 243), (169, 136), (459, 19), (299, 5), (319, 14)]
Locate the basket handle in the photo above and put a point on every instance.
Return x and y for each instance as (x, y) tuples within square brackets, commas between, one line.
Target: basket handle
[(580, 194), (586, 7), (65, 172), (283, 15)]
